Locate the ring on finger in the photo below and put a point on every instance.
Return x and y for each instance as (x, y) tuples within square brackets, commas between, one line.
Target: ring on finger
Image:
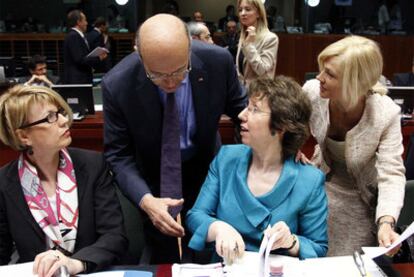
[(57, 257), (236, 248)]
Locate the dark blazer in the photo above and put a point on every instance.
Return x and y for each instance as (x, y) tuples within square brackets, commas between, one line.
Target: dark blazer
[(133, 116), (101, 237), (77, 67), (95, 39)]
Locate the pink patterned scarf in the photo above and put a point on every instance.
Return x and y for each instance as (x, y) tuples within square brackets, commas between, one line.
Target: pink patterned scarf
[(61, 231)]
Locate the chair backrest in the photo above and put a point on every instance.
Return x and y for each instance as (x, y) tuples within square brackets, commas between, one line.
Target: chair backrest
[(407, 212), (133, 227), (310, 75), (409, 158)]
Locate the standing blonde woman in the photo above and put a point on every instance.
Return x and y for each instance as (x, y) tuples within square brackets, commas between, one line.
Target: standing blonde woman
[(359, 145), (257, 52)]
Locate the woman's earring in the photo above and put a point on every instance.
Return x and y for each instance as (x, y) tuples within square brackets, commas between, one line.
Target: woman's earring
[(29, 150), (273, 133)]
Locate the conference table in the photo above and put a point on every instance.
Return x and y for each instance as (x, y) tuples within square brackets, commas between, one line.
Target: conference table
[(164, 270), (88, 134)]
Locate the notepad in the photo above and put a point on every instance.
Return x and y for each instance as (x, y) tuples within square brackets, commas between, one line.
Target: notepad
[(120, 273), (98, 51)]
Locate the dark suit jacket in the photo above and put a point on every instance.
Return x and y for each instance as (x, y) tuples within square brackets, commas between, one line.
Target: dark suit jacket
[(133, 116), (95, 39), (100, 239), (403, 79), (77, 67)]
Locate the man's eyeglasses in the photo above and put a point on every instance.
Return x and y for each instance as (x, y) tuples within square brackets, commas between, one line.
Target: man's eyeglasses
[(179, 74), (50, 118)]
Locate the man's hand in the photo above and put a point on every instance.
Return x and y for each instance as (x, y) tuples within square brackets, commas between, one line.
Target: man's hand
[(157, 210), (38, 79), (103, 56)]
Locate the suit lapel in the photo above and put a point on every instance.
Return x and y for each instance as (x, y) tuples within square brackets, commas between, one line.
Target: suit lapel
[(15, 192), (149, 106), (199, 81), (80, 174)]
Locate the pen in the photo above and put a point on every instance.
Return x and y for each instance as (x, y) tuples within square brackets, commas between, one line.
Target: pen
[(360, 263)]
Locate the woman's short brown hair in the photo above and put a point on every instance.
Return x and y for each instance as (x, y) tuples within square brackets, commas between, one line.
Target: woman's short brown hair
[(290, 110), (15, 104)]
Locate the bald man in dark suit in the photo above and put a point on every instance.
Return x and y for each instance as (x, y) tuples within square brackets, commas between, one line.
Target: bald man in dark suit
[(204, 79)]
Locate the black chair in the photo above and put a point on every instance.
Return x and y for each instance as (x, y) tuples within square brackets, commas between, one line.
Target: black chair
[(310, 75), (134, 230), (409, 159), (403, 79), (407, 212)]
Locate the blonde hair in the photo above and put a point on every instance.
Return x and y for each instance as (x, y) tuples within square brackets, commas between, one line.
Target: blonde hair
[(261, 27), (14, 109), (360, 64)]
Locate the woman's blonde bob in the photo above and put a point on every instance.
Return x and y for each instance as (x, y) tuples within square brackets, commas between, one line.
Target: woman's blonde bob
[(360, 67), (15, 105)]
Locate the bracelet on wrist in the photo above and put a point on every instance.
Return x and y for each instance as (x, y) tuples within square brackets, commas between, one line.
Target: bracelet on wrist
[(85, 266), (295, 239), (391, 223)]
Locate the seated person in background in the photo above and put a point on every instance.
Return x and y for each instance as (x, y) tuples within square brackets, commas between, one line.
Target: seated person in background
[(58, 205), (230, 39), (198, 16), (250, 187), (405, 79), (199, 31), (38, 68), (230, 16)]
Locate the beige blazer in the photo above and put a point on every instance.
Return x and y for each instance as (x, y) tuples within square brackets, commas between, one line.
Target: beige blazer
[(260, 58), (373, 150)]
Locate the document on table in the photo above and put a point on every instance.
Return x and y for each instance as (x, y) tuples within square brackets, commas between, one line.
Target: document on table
[(120, 273), (342, 266), (24, 269), (374, 252), (197, 270), (250, 265), (97, 51)]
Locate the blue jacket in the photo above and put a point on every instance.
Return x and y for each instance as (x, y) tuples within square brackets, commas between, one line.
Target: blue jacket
[(298, 198)]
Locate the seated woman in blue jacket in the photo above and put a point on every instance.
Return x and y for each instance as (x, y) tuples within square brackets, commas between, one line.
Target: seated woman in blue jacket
[(258, 185)]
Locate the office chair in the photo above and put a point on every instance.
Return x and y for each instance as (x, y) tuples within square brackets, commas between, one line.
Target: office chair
[(133, 228), (407, 212), (310, 75)]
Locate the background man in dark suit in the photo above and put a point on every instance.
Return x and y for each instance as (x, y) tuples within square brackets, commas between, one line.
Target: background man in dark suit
[(204, 79), (77, 67), (98, 37), (231, 38)]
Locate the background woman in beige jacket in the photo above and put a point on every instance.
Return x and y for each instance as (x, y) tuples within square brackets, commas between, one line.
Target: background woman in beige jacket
[(359, 145), (257, 52)]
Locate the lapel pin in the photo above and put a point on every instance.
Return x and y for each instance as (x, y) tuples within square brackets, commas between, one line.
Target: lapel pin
[(201, 79)]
